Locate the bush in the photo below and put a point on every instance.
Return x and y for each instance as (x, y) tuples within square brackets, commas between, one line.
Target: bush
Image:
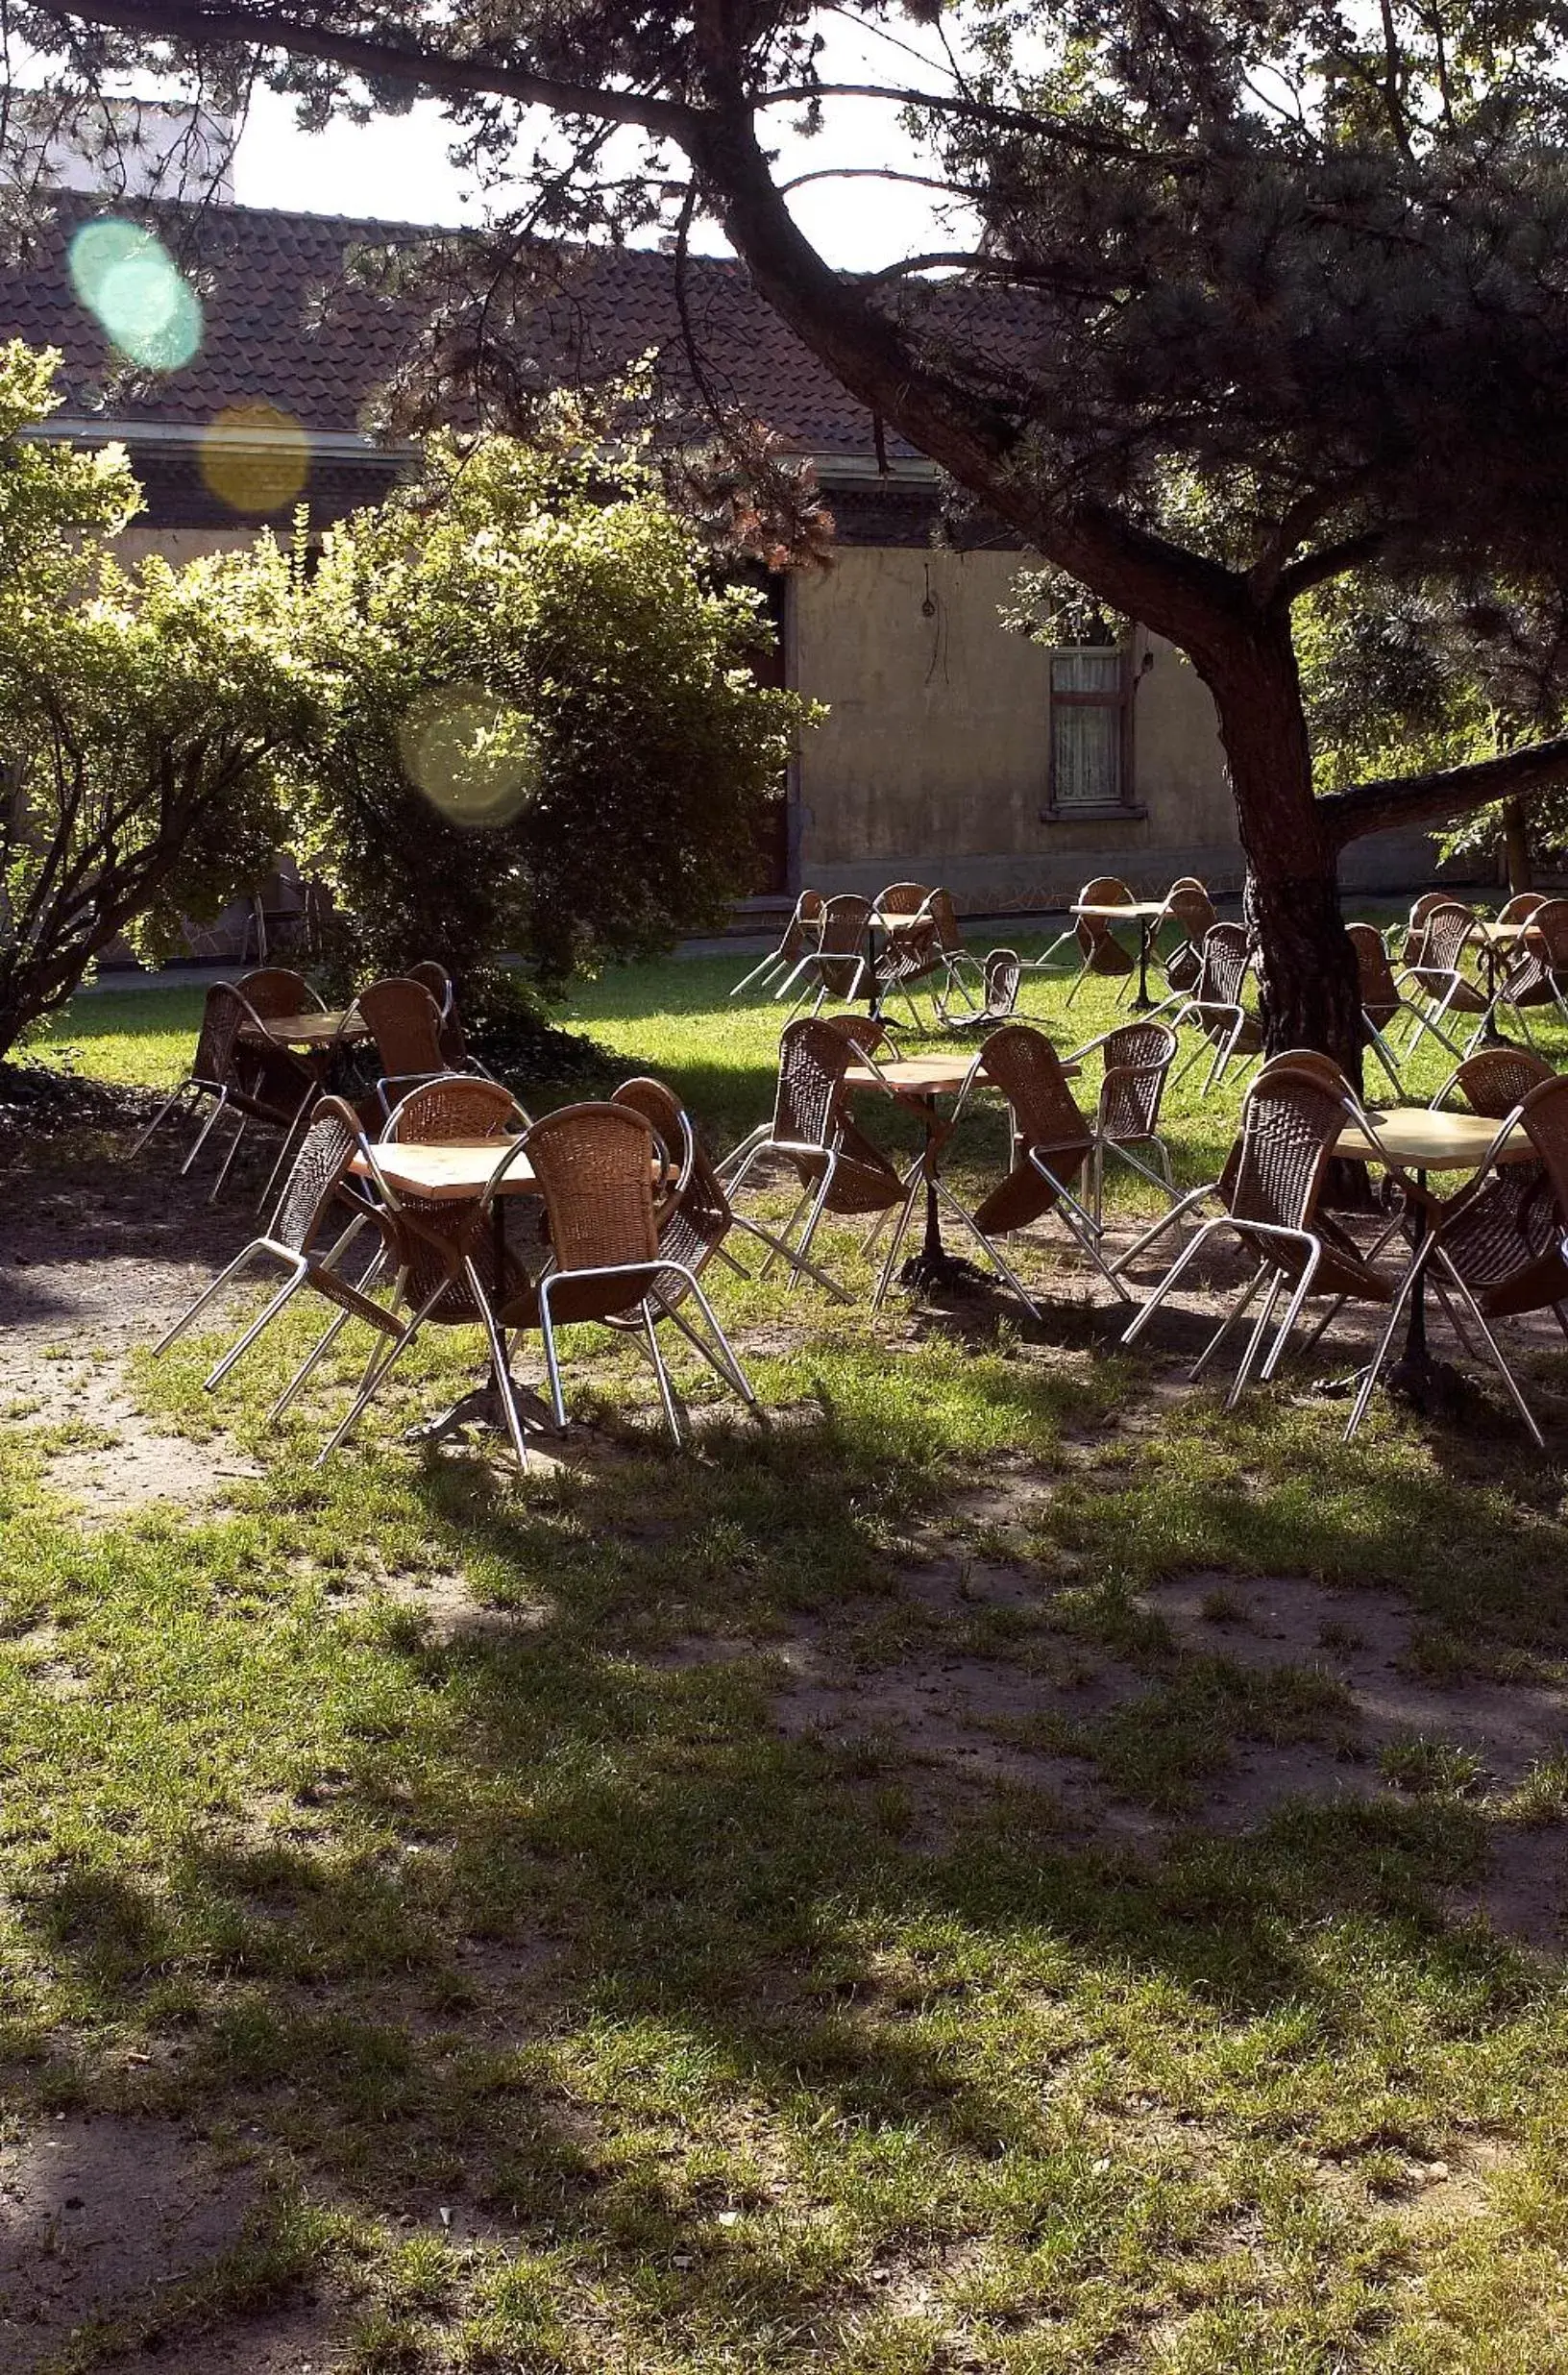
[(539, 732), (139, 714)]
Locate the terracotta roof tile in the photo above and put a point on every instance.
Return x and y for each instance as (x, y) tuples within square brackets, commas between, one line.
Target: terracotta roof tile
[(270, 339)]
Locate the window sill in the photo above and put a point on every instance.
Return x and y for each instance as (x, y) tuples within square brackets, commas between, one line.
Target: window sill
[(1111, 812)]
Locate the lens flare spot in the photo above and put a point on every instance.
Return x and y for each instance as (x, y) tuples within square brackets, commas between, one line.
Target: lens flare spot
[(470, 754), (255, 458), (130, 285)]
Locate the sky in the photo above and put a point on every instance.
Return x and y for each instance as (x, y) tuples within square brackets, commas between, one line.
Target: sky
[(396, 168)]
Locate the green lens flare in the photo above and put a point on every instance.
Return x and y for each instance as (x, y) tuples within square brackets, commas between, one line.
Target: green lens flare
[(129, 283)]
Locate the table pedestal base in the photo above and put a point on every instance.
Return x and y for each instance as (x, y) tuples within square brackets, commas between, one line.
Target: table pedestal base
[(1434, 1387), (483, 1407), (935, 1270)]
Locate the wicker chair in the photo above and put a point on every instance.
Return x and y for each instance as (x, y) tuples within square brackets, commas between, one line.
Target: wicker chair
[(1217, 1011), (800, 937), (1440, 978), (1522, 907), (1538, 975), (1001, 975), (1052, 1144), (692, 1221), (1137, 1061), (840, 965), (596, 1165), (1499, 1244), (1100, 952), (275, 989), (1414, 945), (1495, 1080), (1292, 1120), (1383, 1002), (456, 1260), (319, 1196), (404, 1021), (1189, 907), (249, 1076), (450, 1034), (839, 1169)]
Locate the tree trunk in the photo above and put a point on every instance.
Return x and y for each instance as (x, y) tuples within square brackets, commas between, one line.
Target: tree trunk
[(1310, 994), (1516, 846)]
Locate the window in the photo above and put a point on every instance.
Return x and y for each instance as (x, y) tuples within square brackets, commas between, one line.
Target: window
[(1089, 746)]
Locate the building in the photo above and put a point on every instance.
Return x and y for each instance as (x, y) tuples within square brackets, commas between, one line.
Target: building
[(954, 750)]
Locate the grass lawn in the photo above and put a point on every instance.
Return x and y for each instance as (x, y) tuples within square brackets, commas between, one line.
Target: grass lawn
[(1006, 1867)]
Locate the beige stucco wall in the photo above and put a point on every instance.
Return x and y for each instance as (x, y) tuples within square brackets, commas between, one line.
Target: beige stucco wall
[(933, 760), (179, 544)]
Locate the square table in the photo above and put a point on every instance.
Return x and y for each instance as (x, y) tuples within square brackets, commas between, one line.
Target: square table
[(311, 1030), (917, 1082), (1148, 915), (1421, 1140)]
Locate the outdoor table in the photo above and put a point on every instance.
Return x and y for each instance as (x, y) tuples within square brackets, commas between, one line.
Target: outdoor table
[(311, 1030), (1148, 915), (458, 1172), (1422, 1139), (1494, 942), (917, 1082)]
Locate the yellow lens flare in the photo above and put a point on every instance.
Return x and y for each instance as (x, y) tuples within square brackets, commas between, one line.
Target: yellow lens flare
[(470, 754), (255, 458), (130, 285)]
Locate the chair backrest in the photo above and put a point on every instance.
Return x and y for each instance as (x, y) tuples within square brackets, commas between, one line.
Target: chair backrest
[(456, 1109), (1498, 1079), (1379, 991), (846, 920), (594, 1166), (1022, 1063), (225, 1013), (1190, 882), (275, 989), (802, 932), (406, 1024), (1415, 929), (943, 914), (868, 1034), (1292, 1118), (1544, 1113), (1521, 907), (813, 1058), (1003, 972), (1138, 1059), (902, 898), (1551, 926), (1227, 953), (1446, 929), (1189, 904), (696, 1217), (1102, 952), (435, 978), (319, 1169)]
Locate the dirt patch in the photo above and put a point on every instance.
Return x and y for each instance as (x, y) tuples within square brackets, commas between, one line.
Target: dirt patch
[(99, 2217), (1363, 1639)]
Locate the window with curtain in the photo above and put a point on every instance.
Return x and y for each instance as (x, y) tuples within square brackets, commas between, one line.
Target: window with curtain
[(1088, 729)]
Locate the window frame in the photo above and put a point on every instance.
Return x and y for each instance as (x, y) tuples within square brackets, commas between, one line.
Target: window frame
[(1120, 700)]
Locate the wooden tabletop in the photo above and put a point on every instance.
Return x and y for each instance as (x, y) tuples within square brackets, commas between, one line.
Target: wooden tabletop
[(312, 1030), (1486, 928), (1424, 1140), (1139, 909), (924, 1076), (455, 1170)]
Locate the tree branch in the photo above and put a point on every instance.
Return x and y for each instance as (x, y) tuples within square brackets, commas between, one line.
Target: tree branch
[(1332, 560), (1448, 791), (193, 26)]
